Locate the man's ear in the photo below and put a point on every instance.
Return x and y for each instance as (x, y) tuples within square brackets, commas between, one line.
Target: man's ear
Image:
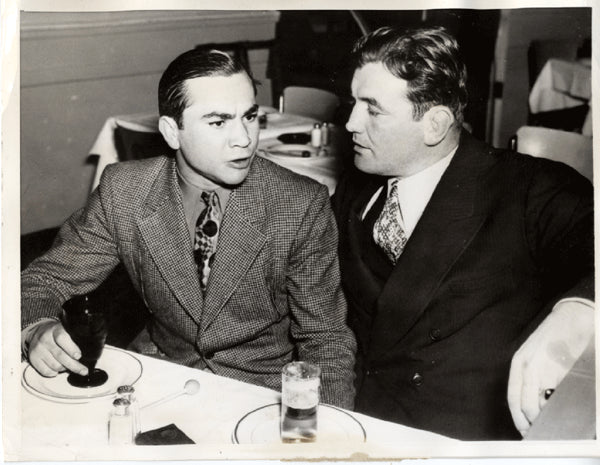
[(437, 122), (170, 131)]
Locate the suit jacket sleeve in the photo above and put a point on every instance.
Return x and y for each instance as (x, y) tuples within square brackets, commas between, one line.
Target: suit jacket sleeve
[(560, 230), (82, 256), (318, 305)]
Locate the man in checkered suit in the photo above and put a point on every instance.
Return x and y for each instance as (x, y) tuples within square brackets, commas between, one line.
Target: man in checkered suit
[(273, 294)]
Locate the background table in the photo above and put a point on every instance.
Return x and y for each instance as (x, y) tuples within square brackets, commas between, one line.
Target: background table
[(324, 169), (563, 84), (79, 431)]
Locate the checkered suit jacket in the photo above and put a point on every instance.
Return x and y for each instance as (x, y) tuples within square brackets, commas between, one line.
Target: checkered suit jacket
[(274, 291)]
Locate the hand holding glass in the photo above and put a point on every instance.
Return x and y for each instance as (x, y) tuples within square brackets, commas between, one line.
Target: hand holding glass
[(87, 327)]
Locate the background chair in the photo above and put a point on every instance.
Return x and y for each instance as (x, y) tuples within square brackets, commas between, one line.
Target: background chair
[(136, 145), (309, 101), (568, 147)]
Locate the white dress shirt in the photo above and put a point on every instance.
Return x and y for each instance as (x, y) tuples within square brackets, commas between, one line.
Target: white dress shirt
[(414, 192)]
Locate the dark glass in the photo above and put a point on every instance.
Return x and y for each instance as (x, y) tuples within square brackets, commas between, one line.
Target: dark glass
[(87, 327)]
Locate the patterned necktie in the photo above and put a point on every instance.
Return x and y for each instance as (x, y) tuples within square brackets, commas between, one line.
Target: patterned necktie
[(387, 231), (207, 233)]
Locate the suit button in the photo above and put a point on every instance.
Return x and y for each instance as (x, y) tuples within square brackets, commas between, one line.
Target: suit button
[(417, 379), (368, 373), (209, 355), (435, 334)]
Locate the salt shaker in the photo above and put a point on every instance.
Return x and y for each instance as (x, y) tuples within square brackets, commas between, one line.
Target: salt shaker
[(325, 133), (315, 135), (128, 392), (120, 424)]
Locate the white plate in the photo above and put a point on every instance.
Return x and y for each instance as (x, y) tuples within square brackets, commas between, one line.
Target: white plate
[(261, 426), (122, 368), (292, 150)]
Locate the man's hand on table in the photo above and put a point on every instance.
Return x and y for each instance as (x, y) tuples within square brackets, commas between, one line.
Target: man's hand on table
[(51, 350), (545, 358)]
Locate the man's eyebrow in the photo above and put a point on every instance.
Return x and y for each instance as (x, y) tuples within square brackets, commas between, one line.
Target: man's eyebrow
[(371, 101), (216, 114), (252, 109)]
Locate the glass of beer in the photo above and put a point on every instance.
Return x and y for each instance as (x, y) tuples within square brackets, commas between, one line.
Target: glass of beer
[(299, 402), (87, 327)]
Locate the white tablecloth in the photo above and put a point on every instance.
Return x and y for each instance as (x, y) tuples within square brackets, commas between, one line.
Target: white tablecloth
[(79, 431), (563, 84), (324, 169)]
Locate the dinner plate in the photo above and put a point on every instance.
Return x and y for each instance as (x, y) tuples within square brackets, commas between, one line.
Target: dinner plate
[(293, 150), (122, 368), (261, 426)]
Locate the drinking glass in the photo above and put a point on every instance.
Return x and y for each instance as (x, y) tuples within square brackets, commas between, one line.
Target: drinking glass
[(300, 383), (87, 327)]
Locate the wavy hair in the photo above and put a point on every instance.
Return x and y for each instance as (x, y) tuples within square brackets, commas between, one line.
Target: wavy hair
[(427, 59), (172, 95)]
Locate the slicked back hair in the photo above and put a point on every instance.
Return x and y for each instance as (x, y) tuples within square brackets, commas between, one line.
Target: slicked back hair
[(195, 63), (427, 59)]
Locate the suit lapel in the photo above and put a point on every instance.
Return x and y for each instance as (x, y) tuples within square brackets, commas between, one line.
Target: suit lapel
[(240, 241), (163, 229), (450, 221)]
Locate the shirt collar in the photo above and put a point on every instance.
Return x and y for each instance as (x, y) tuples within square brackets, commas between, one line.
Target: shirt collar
[(414, 192)]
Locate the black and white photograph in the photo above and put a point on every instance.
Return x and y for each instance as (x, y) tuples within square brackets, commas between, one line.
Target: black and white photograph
[(308, 231)]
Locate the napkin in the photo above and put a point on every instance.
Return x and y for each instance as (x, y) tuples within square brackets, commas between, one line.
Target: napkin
[(166, 436)]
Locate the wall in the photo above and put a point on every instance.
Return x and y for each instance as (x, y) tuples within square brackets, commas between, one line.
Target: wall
[(518, 28), (79, 68)]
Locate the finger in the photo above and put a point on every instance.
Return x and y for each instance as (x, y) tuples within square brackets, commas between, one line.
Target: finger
[(49, 347), (70, 363), (44, 362), (515, 383), (64, 341), (530, 400)]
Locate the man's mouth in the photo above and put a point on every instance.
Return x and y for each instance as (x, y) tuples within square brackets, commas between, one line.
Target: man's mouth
[(358, 146), (241, 163)]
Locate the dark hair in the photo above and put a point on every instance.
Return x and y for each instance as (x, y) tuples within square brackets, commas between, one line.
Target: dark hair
[(172, 95), (427, 59)]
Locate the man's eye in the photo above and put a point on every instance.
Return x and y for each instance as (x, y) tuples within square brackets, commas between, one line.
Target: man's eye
[(251, 117), (217, 124), (372, 112)]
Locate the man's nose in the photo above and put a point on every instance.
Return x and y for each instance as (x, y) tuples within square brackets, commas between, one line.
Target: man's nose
[(239, 136), (353, 124)]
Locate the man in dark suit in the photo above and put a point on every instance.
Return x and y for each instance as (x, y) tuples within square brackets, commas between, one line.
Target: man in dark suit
[(455, 255), (235, 257)]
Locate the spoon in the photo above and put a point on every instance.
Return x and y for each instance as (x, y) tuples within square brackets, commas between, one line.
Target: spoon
[(191, 388)]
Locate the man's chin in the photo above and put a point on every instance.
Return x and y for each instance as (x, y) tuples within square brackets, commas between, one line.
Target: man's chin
[(363, 164)]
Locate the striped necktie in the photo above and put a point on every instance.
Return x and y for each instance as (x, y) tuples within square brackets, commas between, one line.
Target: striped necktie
[(387, 231), (207, 234)]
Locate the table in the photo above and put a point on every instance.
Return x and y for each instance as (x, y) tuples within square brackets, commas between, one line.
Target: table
[(563, 84), (324, 169), (79, 431)]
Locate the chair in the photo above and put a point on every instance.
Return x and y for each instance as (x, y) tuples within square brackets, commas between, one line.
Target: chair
[(309, 101), (136, 145), (568, 147)]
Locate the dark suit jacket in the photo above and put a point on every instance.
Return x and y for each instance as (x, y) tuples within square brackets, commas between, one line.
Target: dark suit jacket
[(503, 238), (274, 292)]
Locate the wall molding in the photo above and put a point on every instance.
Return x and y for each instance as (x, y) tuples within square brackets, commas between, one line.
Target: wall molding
[(41, 25)]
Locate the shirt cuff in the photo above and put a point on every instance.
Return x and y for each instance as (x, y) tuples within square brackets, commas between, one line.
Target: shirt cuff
[(579, 300)]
